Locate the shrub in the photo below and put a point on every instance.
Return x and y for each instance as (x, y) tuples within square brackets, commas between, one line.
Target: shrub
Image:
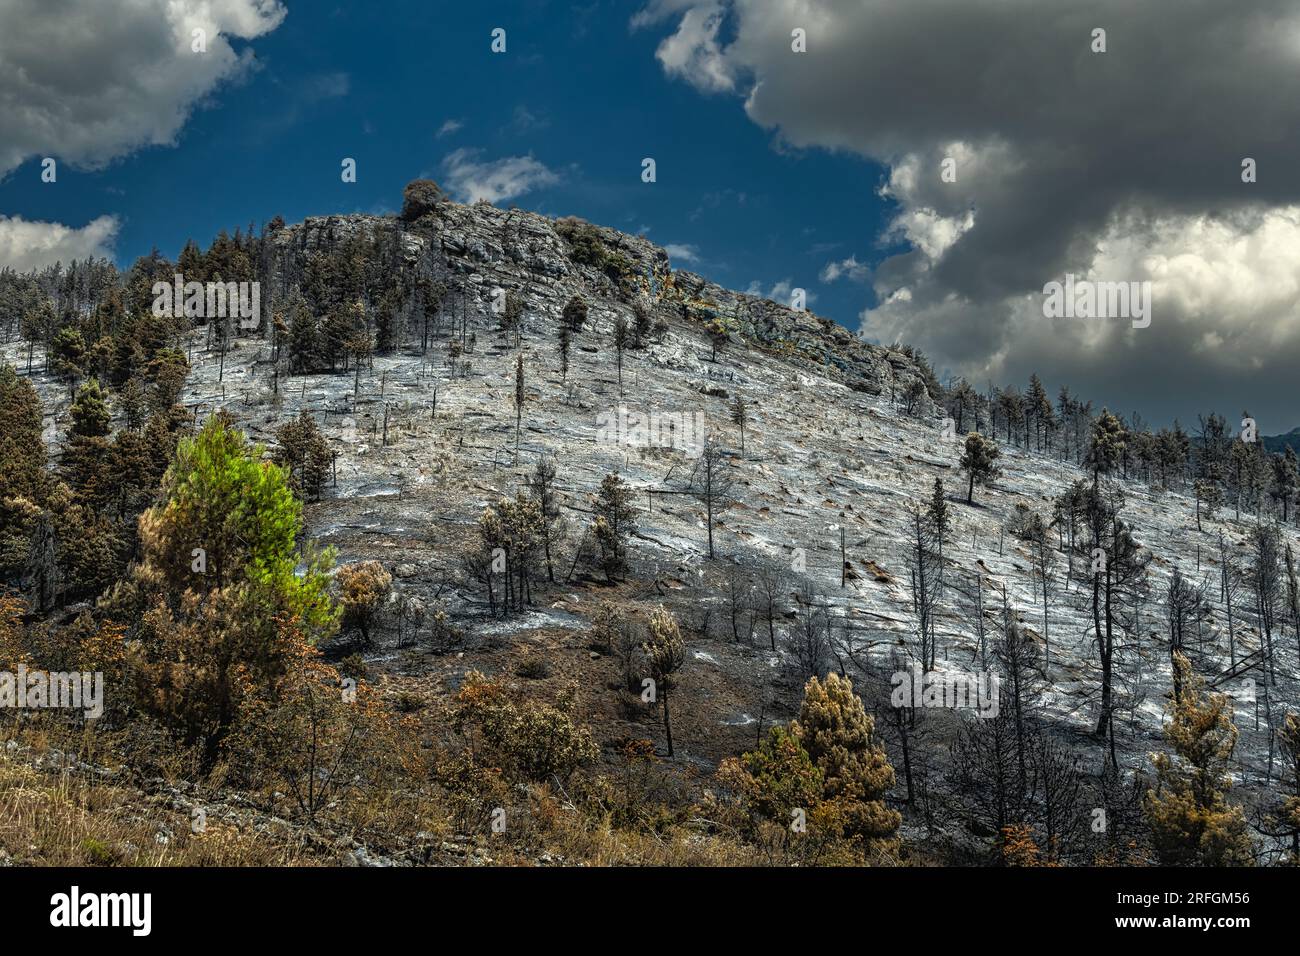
[(363, 589), (530, 741), (421, 198), (318, 739), (585, 245)]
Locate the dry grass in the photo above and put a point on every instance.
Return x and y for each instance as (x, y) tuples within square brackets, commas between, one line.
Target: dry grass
[(57, 811), (64, 819)]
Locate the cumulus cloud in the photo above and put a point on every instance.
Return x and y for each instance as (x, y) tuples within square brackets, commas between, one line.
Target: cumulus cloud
[(102, 79), (1123, 165), (27, 245), (469, 179)]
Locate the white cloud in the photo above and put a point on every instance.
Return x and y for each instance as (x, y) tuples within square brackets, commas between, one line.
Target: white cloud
[(781, 292), (658, 10), (26, 245), (1225, 316), (693, 52), (849, 268), (469, 179), (928, 231), (90, 82), (449, 127), (683, 252)]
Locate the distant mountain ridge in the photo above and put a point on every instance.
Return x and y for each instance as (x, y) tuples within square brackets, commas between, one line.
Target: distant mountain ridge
[(1278, 443)]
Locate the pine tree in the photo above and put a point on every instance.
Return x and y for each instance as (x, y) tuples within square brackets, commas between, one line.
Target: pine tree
[(1109, 440), (133, 400), (1118, 567), (305, 455), (711, 484), (89, 413), (221, 497), (363, 589), (1192, 823), (22, 470), (420, 198), (385, 324), (1286, 479), (1037, 535), (839, 736), (1038, 408), (541, 485), (512, 316), (666, 652), (575, 313), (217, 585), (1287, 814), (937, 512), (88, 462), (641, 322), (614, 521), (740, 418), (924, 573), (70, 356), (304, 343), (719, 335), (1208, 498), (38, 322), (979, 461), (565, 341), (776, 780), (1185, 605)]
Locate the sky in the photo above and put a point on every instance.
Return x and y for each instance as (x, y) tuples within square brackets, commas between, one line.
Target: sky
[(923, 168)]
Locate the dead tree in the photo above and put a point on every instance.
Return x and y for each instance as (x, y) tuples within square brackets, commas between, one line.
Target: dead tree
[(1018, 660), (520, 396), (740, 598), (1229, 588), (923, 568), (809, 639), (772, 588), (1184, 605), (541, 484), (1118, 567), (1043, 560), (711, 484), (1266, 583), (1059, 810)]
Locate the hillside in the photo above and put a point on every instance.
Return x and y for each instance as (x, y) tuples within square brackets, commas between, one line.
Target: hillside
[(842, 437)]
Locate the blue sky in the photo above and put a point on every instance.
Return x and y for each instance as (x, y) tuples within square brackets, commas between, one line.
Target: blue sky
[(577, 89), (777, 168)]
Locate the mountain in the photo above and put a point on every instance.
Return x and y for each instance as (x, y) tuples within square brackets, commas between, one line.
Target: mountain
[(813, 567), (1278, 443)]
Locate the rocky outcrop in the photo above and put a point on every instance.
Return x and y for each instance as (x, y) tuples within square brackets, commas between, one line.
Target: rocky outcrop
[(480, 248)]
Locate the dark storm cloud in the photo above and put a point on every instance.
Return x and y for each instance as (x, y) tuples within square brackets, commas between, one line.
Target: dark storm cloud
[(1123, 165)]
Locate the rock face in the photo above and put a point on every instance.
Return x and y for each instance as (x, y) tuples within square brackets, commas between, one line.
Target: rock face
[(482, 248)]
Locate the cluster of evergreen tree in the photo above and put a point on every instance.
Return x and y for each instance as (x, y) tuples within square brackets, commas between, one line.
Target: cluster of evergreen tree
[(1217, 463)]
